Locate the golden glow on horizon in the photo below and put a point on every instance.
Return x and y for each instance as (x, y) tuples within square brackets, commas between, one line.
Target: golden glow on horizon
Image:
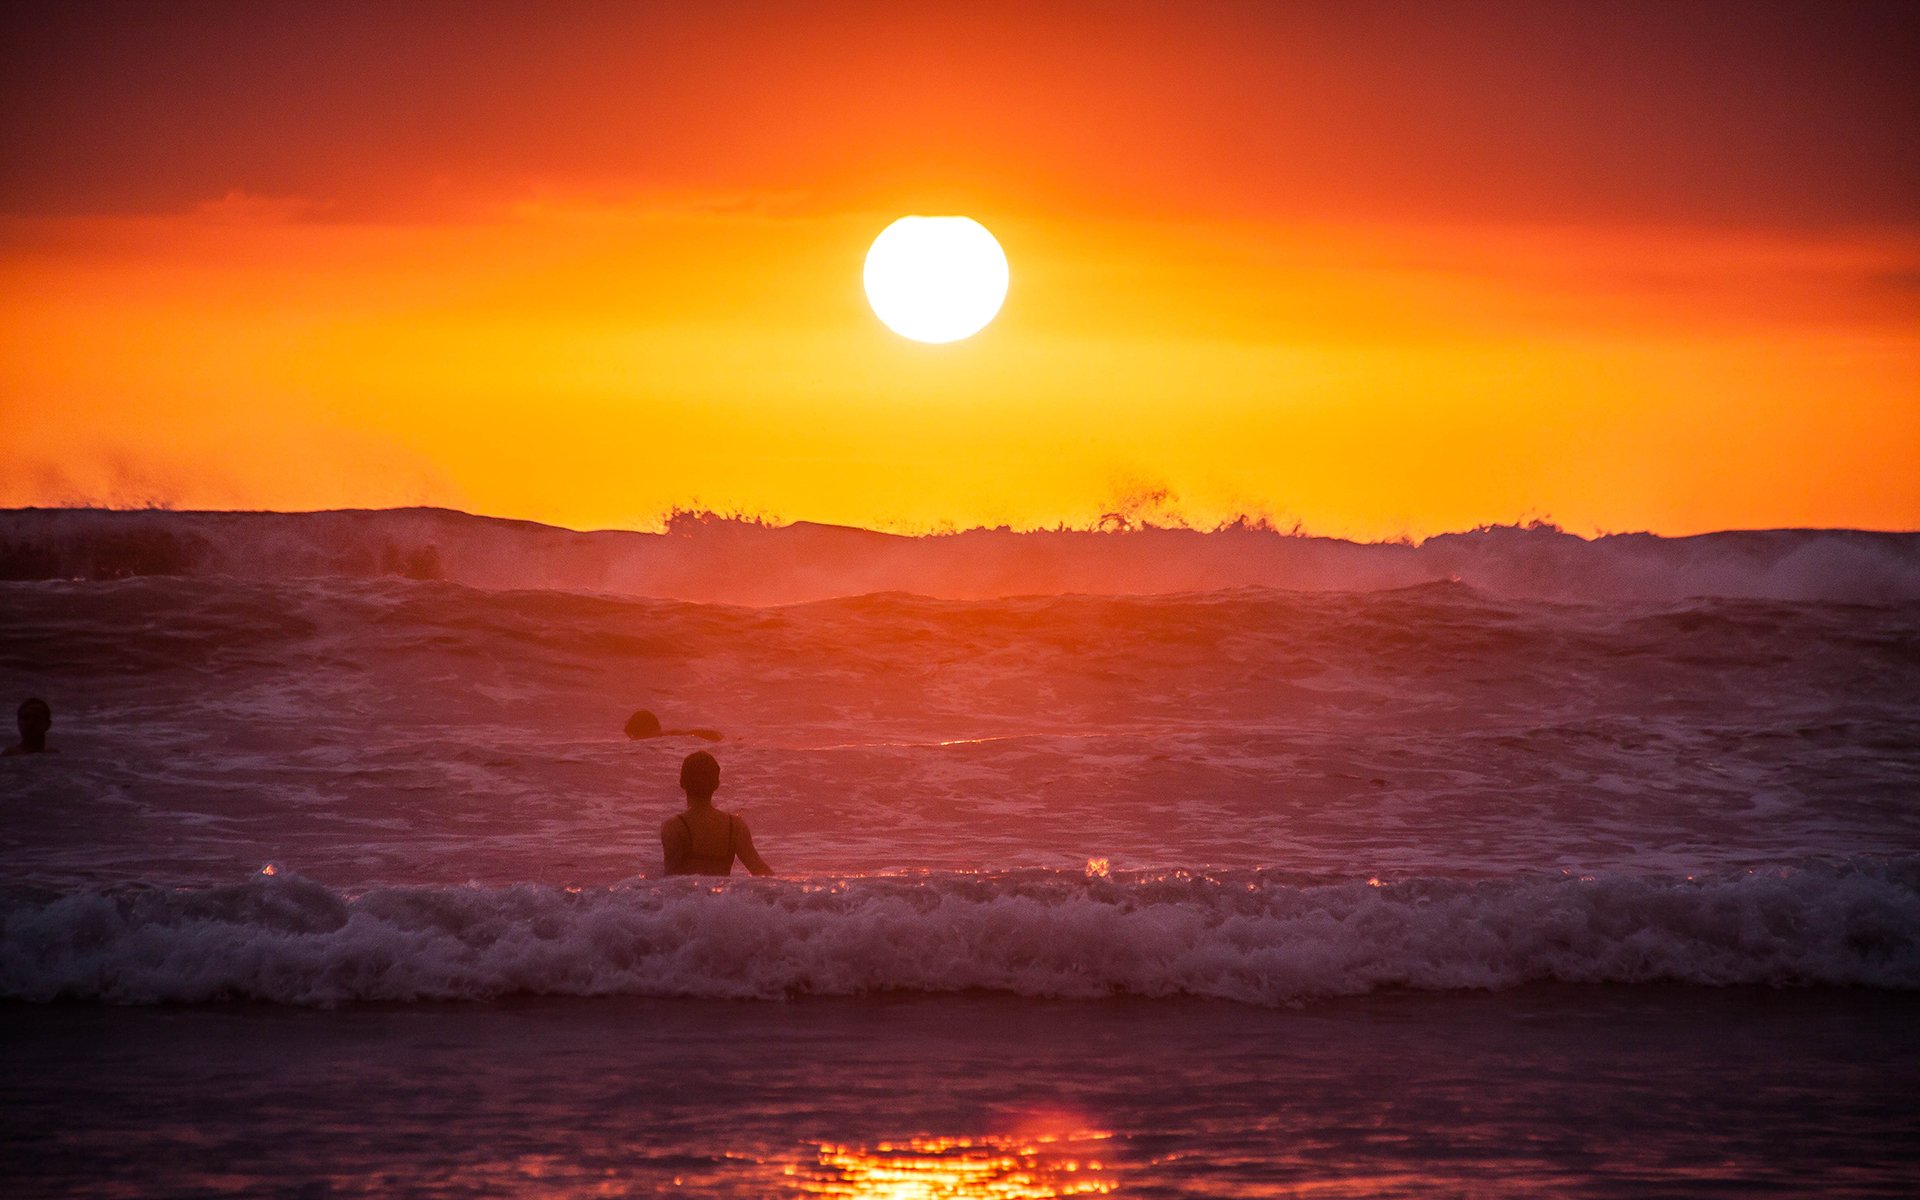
[(936, 279), (1365, 381), (1375, 274)]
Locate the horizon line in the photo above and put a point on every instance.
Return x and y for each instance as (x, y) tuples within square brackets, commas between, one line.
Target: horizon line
[(1123, 524)]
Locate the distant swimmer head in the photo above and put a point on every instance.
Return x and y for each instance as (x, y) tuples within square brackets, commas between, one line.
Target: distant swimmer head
[(700, 775), (36, 717), (643, 724)]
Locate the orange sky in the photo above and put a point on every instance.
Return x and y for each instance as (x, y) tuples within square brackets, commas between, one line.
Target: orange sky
[(1380, 268)]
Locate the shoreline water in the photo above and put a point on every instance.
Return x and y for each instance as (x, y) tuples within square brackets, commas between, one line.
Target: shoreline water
[(1244, 793), (1548, 1089)]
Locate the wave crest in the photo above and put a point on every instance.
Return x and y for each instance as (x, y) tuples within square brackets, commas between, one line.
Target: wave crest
[(1247, 937), (741, 562)]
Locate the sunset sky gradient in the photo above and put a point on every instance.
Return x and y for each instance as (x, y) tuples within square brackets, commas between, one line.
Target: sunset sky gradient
[(1377, 268)]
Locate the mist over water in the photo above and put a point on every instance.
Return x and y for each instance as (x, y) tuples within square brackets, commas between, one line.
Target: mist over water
[(711, 559)]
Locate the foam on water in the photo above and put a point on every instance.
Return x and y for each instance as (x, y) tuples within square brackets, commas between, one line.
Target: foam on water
[(1243, 936), (1609, 761)]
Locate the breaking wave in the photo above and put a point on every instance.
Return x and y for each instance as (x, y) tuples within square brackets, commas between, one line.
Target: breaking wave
[(1249, 936), (716, 560)]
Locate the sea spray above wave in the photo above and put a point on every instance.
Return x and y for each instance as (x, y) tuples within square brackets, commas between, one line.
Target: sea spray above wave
[(1246, 936), (745, 563)]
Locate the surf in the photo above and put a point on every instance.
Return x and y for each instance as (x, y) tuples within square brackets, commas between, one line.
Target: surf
[(1254, 937)]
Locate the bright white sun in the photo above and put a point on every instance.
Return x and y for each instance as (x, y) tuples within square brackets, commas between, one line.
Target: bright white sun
[(936, 279)]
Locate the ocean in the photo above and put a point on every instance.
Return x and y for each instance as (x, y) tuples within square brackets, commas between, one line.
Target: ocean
[(1141, 862)]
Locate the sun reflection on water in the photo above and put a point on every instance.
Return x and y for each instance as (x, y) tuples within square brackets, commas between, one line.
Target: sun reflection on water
[(987, 1167)]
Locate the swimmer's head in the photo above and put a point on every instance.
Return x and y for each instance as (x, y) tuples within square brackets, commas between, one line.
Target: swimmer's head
[(700, 775), (643, 724), (36, 717)]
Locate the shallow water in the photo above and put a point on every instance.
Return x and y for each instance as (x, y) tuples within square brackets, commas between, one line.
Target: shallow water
[(1587, 1092), (1552, 879)]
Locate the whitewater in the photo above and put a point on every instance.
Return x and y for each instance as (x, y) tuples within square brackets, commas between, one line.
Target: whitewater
[(295, 770), (1138, 862)]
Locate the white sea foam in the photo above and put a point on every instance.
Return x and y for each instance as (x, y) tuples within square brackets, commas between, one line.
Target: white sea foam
[(1246, 937)]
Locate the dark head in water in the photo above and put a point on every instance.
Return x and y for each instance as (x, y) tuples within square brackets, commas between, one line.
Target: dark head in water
[(36, 717), (700, 776), (643, 724)]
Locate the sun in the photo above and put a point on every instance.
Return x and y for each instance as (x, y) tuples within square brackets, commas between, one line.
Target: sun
[(936, 279)]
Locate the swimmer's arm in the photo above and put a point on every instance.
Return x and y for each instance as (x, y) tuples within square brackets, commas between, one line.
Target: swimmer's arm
[(674, 844), (705, 735), (748, 855)]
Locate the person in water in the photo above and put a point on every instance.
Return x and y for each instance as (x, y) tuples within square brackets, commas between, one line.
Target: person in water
[(36, 717), (703, 840), (643, 724)]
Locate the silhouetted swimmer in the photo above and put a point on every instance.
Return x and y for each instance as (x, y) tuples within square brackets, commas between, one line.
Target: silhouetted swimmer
[(36, 717), (643, 724), (703, 840)]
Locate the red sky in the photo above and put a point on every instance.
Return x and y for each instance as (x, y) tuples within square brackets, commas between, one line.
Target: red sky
[(1379, 267)]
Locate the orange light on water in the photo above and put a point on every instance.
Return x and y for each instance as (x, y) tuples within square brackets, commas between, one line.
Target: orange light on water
[(986, 1167)]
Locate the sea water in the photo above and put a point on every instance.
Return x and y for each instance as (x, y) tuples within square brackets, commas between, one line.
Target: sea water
[(1201, 864)]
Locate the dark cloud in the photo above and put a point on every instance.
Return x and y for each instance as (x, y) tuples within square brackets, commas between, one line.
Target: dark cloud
[(1797, 113)]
